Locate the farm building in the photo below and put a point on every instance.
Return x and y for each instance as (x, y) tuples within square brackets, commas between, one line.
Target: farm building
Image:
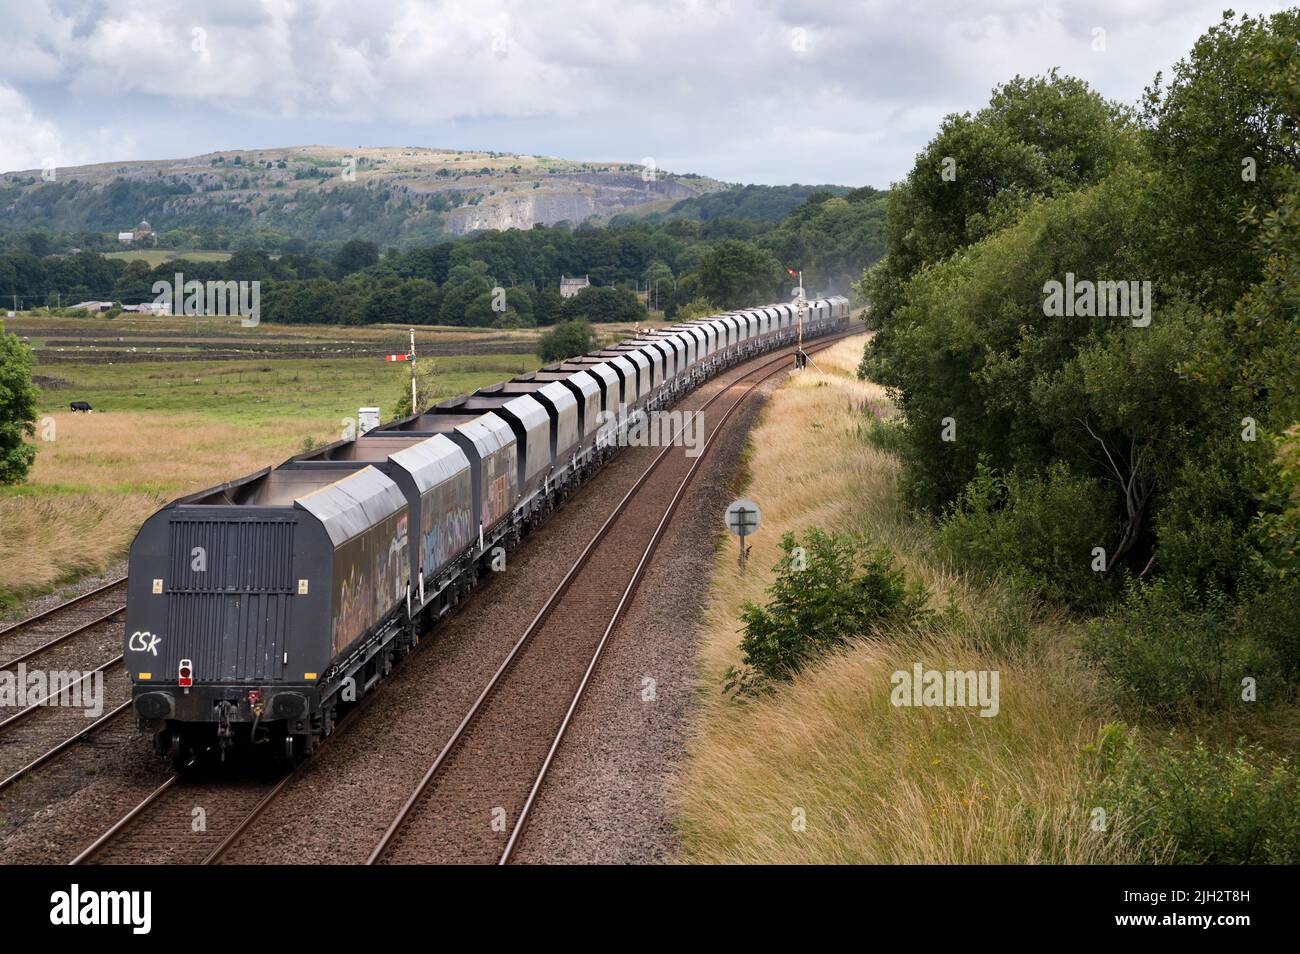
[(149, 308), (571, 286)]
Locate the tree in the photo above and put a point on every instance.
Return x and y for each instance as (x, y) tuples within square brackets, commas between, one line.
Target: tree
[(736, 274), (1224, 135), (136, 284), (1157, 405), (604, 304), (566, 340), (459, 299), (548, 306), (388, 305), (1037, 137), (356, 255), (17, 409), (423, 298)]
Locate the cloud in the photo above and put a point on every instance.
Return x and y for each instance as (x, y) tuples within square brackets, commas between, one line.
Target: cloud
[(27, 142), (750, 90)]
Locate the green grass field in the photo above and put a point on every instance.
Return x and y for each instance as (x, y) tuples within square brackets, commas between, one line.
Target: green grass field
[(156, 256), (259, 391)]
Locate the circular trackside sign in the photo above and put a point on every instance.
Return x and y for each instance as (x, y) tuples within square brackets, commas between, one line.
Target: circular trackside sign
[(743, 517)]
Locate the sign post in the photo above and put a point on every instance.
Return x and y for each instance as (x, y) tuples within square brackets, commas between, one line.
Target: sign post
[(409, 356), (743, 519)]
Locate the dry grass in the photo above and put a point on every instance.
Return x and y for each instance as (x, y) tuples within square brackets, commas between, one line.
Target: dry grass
[(104, 474), (878, 783)]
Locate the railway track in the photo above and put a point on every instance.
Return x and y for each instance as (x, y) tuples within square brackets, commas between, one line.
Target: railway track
[(183, 823), (81, 640), (474, 800), (68, 741), (58, 624), (162, 827)]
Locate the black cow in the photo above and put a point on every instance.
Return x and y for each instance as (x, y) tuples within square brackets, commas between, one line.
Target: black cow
[(81, 406)]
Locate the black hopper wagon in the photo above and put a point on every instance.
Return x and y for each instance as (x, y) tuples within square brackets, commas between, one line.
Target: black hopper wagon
[(258, 610)]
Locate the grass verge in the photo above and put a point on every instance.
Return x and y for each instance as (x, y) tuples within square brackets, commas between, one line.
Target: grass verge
[(827, 770)]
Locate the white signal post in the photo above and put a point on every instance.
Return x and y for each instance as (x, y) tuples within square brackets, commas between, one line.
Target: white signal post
[(414, 409)]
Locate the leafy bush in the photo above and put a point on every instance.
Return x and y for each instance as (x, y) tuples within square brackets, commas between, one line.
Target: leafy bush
[(565, 340), (1162, 653), (512, 319), (886, 433), (1203, 528), (696, 308), (426, 390), (826, 592), (1277, 530), (17, 409), (1199, 806), (1039, 531)]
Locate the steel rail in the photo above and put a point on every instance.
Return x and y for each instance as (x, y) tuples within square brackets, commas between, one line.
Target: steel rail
[(257, 810), (125, 820), (107, 617), (77, 737), (35, 706), (62, 606)]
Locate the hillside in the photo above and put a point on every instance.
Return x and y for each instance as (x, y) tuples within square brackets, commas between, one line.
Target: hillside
[(387, 195), (759, 203)]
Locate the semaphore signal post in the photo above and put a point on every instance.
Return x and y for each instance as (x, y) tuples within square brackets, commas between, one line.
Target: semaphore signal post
[(409, 356)]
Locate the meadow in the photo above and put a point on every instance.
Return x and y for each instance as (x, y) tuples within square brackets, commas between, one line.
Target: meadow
[(156, 256), (162, 428)]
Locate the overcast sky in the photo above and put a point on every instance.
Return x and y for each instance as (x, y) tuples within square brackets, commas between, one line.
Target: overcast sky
[(745, 91)]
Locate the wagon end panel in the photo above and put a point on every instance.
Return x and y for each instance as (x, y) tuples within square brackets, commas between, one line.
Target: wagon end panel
[(217, 588)]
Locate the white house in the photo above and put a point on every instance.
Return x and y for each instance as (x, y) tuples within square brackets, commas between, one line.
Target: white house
[(571, 286)]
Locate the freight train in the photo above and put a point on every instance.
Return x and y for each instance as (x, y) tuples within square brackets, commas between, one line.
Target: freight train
[(257, 610)]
